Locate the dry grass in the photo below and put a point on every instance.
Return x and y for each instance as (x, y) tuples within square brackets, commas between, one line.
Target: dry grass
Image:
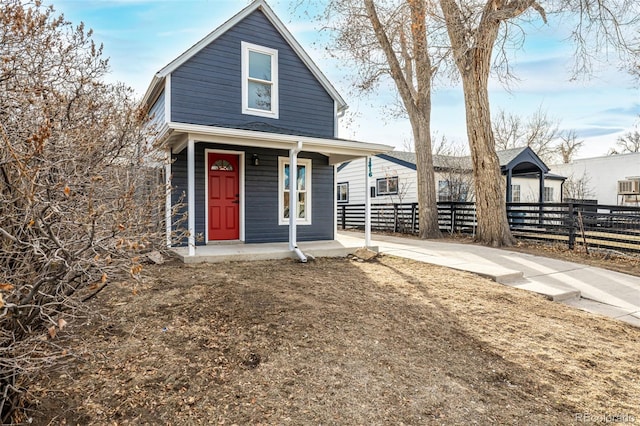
[(336, 341)]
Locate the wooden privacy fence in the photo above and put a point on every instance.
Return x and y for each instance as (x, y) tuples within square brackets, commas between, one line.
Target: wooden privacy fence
[(588, 225)]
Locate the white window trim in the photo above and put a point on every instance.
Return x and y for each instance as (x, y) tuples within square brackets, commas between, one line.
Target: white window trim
[(282, 161), (516, 189), (274, 113)]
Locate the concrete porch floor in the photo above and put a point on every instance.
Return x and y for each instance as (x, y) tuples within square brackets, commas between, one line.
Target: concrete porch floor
[(214, 253)]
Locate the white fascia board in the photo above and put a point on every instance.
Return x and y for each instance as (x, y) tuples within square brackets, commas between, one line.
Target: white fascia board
[(336, 148), (152, 92)]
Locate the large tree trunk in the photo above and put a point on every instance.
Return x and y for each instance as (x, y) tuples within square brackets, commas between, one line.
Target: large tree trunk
[(426, 188), (472, 50), (491, 209), (417, 101)]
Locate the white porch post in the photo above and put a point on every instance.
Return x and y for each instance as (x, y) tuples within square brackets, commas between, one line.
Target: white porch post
[(191, 198), (367, 204), (167, 202), (293, 194), (293, 202)]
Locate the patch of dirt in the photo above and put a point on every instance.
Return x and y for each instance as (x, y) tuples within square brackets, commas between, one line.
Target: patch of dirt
[(336, 341), (627, 263)]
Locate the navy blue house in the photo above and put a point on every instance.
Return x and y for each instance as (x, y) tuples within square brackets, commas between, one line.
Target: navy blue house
[(241, 114)]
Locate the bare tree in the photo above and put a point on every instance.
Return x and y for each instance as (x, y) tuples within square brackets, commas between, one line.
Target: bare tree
[(80, 196), (577, 188), (628, 143), (569, 146), (389, 38), (475, 28), (453, 164), (537, 131)]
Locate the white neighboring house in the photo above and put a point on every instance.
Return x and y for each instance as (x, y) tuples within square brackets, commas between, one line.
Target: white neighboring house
[(599, 178), (393, 178)]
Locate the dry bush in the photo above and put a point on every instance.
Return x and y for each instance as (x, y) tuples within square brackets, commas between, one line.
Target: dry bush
[(81, 192)]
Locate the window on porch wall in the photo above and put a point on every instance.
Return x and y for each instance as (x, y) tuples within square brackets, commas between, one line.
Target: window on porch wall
[(303, 181), (515, 193)]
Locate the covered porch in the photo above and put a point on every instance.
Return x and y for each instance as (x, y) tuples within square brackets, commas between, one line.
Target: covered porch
[(261, 163), (341, 246)]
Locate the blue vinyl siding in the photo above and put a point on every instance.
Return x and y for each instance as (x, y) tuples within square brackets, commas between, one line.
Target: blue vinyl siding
[(261, 194), (157, 111), (207, 89)]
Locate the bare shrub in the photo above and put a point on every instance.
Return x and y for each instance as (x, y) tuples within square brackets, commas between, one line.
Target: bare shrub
[(81, 191)]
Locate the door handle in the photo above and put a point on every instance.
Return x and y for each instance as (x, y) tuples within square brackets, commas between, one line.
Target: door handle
[(236, 202)]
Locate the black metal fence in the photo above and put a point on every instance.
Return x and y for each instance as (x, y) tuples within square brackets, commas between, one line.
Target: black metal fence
[(585, 224)]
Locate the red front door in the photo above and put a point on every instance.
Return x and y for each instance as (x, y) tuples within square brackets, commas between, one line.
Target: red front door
[(224, 197)]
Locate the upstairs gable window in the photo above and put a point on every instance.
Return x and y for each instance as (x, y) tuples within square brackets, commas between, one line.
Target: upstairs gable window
[(259, 80)]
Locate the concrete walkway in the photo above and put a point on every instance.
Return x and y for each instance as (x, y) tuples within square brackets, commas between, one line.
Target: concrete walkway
[(586, 287)]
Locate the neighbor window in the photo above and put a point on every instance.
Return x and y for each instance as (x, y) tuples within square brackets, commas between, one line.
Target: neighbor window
[(342, 192), (444, 191), (548, 194), (387, 185), (259, 80), (456, 191), (515, 193), (303, 184)]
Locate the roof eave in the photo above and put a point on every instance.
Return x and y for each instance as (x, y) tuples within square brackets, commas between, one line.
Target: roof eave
[(154, 89), (338, 149)]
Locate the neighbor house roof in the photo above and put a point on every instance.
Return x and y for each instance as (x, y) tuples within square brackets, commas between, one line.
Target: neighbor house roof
[(408, 159), (158, 80), (521, 161)]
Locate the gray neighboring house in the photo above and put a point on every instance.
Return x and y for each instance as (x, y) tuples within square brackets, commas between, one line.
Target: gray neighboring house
[(239, 113), (393, 178)]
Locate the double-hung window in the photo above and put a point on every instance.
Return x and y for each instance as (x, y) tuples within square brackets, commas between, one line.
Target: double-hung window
[(303, 185), (259, 80), (548, 194), (342, 191), (515, 193), (387, 185), (444, 190)]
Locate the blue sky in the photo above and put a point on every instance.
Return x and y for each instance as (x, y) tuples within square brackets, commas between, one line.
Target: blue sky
[(141, 36)]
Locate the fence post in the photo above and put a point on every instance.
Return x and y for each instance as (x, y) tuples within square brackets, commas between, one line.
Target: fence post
[(343, 216), (395, 217), (572, 227), (413, 217), (452, 207)]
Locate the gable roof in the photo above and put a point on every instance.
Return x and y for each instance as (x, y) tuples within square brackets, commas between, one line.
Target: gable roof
[(521, 160), (158, 80)]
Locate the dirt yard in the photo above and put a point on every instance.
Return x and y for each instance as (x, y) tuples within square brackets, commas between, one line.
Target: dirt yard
[(337, 341)]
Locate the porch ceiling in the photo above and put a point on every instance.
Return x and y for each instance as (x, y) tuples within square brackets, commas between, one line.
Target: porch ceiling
[(176, 136)]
